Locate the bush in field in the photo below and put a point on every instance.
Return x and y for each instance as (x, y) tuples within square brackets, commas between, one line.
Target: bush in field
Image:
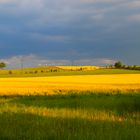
[(42, 71), (55, 70), (10, 72), (36, 71)]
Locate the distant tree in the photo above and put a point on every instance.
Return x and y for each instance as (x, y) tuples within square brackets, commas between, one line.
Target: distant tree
[(118, 64), (135, 67), (2, 65)]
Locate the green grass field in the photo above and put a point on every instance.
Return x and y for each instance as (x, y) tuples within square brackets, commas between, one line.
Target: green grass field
[(87, 116)]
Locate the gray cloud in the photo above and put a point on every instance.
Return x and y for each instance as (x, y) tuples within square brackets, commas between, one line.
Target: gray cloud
[(71, 30), (33, 60)]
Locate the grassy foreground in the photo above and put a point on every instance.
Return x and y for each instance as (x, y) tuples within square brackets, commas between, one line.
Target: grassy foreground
[(86, 116)]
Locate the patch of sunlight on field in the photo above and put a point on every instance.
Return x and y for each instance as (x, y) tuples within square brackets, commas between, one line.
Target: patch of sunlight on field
[(91, 115), (79, 67), (51, 85)]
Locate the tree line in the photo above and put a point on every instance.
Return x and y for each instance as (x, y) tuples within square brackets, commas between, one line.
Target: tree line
[(120, 65)]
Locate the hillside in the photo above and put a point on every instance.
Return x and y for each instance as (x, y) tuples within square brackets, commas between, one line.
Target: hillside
[(63, 71)]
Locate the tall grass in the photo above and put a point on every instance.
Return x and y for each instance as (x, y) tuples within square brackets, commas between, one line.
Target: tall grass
[(73, 116)]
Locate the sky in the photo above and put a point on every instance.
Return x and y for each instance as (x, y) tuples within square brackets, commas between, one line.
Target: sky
[(69, 32)]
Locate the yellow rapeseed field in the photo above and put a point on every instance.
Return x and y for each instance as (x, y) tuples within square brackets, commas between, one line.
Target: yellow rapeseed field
[(78, 67), (63, 84)]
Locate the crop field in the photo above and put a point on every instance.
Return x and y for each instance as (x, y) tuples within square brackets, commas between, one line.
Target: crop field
[(62, 84), (97, 105), (63, 71), (78, 67)]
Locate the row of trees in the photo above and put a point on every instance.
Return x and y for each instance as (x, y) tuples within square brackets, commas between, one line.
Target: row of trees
[(120, 65)]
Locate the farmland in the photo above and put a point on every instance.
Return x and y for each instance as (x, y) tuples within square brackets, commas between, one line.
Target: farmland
[(70, 104), (62, 84), (62, 71)]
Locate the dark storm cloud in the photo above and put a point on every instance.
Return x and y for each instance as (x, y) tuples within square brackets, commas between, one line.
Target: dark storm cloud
[(71, 30)]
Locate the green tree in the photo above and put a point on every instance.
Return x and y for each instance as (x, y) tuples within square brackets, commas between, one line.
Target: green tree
[(118, 64), (2, 65)]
